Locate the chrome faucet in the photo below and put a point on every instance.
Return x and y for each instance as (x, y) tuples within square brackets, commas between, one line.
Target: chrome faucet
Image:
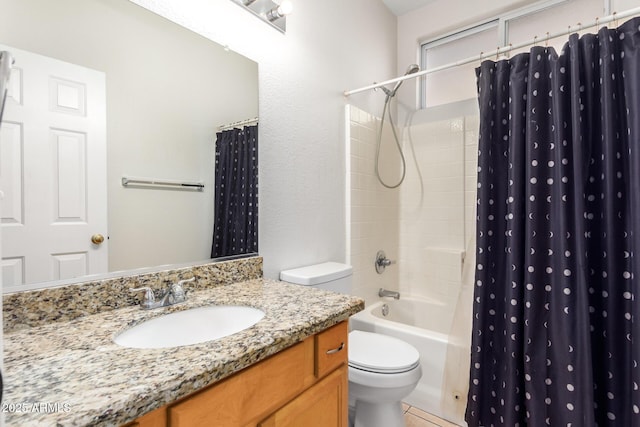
[(174, 294), (385, 293)]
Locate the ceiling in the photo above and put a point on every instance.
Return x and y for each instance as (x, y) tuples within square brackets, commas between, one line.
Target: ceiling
[(400, 7)]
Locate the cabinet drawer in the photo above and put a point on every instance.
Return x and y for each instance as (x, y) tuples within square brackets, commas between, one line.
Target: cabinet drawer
[(331, 349)]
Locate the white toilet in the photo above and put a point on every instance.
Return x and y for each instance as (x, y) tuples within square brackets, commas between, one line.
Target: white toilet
[(383, 370)]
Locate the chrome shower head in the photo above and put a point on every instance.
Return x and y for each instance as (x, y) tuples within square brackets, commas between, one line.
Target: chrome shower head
[(411, 69)]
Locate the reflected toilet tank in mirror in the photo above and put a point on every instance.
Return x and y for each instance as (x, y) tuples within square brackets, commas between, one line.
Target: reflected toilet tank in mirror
[(166, 91)]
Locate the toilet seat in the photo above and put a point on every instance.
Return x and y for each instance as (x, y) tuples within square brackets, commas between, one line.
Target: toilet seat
[(381, 354)]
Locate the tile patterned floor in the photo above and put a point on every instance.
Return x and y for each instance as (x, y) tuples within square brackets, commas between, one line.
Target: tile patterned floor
[(414, 417)]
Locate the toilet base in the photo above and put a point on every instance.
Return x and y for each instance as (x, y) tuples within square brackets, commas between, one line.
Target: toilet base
[(375, 414)]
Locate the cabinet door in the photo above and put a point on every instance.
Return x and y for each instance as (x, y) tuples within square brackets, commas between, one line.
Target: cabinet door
[(157, 418), (323, 405), (251, 394)]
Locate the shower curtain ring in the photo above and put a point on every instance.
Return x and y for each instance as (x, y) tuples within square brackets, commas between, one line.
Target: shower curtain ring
[(597, 24), (535, 41), (497, 52), (546, 41), (615, 19)]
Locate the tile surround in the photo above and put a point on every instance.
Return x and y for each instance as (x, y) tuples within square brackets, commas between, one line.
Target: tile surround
[(432, 211), (373, 210), (426, 223)]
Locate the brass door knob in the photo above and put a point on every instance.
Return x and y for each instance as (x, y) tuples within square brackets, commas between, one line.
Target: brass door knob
[(96, 239)]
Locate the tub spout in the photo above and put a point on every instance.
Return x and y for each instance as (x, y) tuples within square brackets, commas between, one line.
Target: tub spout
[(385, 293)]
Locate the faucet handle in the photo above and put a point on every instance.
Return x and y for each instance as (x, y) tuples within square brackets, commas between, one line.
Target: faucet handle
[(178, 292), (382, 262), (149, 296), (185, 281)]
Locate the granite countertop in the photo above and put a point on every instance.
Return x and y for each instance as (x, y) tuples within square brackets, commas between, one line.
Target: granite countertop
[(73, 374)]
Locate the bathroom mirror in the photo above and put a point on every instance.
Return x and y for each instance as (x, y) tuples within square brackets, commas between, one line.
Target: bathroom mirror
[(166, 92)]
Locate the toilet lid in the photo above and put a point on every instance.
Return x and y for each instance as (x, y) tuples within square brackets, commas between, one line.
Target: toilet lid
[(381, 353)]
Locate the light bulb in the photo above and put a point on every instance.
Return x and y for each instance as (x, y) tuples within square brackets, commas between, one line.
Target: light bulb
[(278, 12), (286, 7)]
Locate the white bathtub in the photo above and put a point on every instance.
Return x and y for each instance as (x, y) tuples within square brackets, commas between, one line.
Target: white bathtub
[(425, 324)]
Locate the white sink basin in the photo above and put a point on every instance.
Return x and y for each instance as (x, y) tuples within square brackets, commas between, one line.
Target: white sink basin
[(192, 326)]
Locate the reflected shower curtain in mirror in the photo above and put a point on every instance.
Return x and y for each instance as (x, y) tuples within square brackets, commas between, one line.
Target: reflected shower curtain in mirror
[(236, 193), (555, 333)]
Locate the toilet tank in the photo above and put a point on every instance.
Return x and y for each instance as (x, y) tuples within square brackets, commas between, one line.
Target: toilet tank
[(331, 276)]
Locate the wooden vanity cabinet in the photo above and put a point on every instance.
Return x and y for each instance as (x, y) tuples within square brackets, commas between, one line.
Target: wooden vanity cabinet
[(304, 385)]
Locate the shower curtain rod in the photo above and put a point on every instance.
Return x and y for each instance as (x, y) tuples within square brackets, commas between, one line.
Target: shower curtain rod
[(501, 50)]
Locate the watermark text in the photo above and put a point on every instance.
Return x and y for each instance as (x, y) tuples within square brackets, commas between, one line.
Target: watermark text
[(35, 407)]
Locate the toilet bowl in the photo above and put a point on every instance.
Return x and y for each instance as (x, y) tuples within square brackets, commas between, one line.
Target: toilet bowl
[(383, 370)]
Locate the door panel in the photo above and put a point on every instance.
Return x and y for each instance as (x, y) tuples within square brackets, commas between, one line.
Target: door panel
[(11, 168), (69, 176), (52, 171)]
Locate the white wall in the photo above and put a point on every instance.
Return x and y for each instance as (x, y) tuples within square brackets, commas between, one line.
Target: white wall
[(330, 46)]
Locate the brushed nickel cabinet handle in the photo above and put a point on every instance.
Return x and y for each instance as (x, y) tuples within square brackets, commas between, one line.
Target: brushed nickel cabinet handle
[(335, 350)]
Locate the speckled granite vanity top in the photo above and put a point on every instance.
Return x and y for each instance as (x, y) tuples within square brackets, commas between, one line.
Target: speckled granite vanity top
[(76, 375)]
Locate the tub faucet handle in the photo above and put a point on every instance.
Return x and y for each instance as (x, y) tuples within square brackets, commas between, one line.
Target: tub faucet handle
[(382, 262)]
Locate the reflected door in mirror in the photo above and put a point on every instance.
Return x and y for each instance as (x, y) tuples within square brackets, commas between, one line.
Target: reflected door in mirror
[(53, 171)]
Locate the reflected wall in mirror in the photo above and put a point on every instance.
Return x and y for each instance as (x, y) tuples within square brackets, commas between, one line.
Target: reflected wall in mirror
[(165, 91)]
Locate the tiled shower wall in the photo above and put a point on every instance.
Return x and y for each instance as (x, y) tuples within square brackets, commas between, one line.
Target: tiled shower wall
[(471, 127), (373, 209), (432, 213), (426, 223)]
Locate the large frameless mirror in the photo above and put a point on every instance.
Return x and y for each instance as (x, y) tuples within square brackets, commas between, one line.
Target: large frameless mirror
[(103, 90)]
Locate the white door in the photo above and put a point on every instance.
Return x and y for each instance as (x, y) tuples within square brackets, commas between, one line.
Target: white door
[(52, 171)]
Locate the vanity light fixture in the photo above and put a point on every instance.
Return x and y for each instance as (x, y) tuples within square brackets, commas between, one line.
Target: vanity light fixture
[(273, 12)]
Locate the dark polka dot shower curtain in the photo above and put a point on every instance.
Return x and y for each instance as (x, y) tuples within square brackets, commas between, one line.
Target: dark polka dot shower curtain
[(556, 339), (236, 193)]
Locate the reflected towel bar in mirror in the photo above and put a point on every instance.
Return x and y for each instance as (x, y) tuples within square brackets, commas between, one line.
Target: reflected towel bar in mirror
[(161, 183)]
